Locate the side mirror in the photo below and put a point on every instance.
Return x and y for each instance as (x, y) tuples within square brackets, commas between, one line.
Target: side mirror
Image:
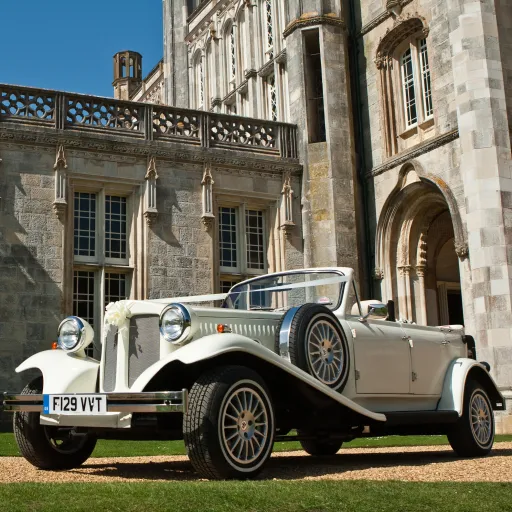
[(376, 311)]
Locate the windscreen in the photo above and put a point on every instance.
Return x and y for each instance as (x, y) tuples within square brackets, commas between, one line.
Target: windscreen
[(280, 292)]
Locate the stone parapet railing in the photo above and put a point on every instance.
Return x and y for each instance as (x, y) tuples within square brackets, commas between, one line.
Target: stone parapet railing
[(98, 115)]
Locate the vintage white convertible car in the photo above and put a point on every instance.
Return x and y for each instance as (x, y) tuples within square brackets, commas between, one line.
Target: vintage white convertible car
[(288, 351)]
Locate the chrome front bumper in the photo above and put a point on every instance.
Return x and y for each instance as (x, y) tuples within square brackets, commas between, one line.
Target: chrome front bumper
[(157, 402)]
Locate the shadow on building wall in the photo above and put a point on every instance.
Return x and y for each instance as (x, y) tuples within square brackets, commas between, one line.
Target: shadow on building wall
[(30, 273)]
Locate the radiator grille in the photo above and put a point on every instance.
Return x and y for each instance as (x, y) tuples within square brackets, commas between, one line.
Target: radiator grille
[(110, 359), (144, 345)]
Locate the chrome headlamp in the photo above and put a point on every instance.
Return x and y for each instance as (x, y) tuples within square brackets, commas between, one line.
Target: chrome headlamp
[(74, 334), (175, 323)]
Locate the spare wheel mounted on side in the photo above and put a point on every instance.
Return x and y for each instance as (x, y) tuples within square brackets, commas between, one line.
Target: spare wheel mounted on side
[(316, 344)]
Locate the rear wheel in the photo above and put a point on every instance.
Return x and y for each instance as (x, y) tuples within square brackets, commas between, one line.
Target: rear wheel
[(229, 426), (49, 447), (473, 434), (321, 447)]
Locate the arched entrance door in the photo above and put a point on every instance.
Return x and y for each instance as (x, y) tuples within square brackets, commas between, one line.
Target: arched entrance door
[(417, 253)]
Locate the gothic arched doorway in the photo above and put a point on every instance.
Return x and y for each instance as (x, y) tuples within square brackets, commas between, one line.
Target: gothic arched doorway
[(416, 253)]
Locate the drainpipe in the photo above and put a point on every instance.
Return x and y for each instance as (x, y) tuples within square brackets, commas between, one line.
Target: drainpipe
[(367, 288)]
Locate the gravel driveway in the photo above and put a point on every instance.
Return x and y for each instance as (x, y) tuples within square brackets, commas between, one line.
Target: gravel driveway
[(425, 463)]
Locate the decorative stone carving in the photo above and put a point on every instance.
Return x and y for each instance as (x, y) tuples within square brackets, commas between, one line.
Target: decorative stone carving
[(421, 270), (394, 7), (307, 21), (421, 256), (207, 182), (60, 204), (404, 270), (461, 249), (378, 274), (287, 205), (151, 211)]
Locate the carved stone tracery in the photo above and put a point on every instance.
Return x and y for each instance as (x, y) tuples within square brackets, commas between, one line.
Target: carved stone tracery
[(208, 217), (60, 204), (287, 206), (150, 210)]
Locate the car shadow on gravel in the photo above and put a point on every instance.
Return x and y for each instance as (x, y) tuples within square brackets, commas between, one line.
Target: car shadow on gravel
[(281, 467)]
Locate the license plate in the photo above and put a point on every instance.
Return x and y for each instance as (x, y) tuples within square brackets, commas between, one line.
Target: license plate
[(75, 404)]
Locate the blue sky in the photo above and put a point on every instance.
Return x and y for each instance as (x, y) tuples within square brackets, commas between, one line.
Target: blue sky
[(68, 45)]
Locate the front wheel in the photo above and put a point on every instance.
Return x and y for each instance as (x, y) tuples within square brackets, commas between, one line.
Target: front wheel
[(49, 447), (473, 434), (229, 426)]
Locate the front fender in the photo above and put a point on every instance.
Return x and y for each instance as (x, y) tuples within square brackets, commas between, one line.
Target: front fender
[(214, 345), (452, 398), (63, 372)]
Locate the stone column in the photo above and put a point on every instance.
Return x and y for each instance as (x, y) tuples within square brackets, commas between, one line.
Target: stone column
[(329, 169), (486, 171), (421, 270), (176, 92)]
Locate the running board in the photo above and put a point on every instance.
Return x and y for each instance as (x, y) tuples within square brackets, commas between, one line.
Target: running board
[(420, 418)]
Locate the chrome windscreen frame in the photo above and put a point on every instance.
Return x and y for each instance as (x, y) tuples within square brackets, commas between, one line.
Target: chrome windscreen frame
[(291, 272)]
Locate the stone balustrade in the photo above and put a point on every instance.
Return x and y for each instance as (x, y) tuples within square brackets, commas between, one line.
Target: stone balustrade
[(66, 111)]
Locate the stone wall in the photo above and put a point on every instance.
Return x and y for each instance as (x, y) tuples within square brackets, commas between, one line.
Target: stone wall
[(171, 252), (465, 154), (504, 19)]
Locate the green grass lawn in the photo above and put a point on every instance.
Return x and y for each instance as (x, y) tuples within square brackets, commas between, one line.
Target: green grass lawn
[(8, 447), (267, 496)]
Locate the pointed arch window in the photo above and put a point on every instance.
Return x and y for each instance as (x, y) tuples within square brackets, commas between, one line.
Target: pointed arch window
[(405, 84), (416, 85)]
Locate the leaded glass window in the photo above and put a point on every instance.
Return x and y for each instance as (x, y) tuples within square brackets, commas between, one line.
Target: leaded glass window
[(425, 75), (85, 224), (269, 27), (242, 244), (83, 295), (115, 227), (101, 256), (228, 237), (407, 68), (255, 239), (232, 54), (115, 287), (272, 97)]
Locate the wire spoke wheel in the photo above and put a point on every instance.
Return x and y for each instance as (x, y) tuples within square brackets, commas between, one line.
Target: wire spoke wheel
[(480, 419), (229, 426), (473, 434), (244, 425), (325, 352)]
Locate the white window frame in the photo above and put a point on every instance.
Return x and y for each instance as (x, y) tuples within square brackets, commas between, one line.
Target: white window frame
[(100, 265), (241, 269), (418, 76)]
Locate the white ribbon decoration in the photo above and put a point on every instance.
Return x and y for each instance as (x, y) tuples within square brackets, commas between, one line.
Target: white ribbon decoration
[(117, 313)]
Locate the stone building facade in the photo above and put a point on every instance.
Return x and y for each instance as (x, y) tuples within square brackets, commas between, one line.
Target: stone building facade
[(396, 161), (103, 200), (404, 117)]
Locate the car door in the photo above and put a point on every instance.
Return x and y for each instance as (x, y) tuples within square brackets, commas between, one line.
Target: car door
[(430, 357), (382, 357)]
